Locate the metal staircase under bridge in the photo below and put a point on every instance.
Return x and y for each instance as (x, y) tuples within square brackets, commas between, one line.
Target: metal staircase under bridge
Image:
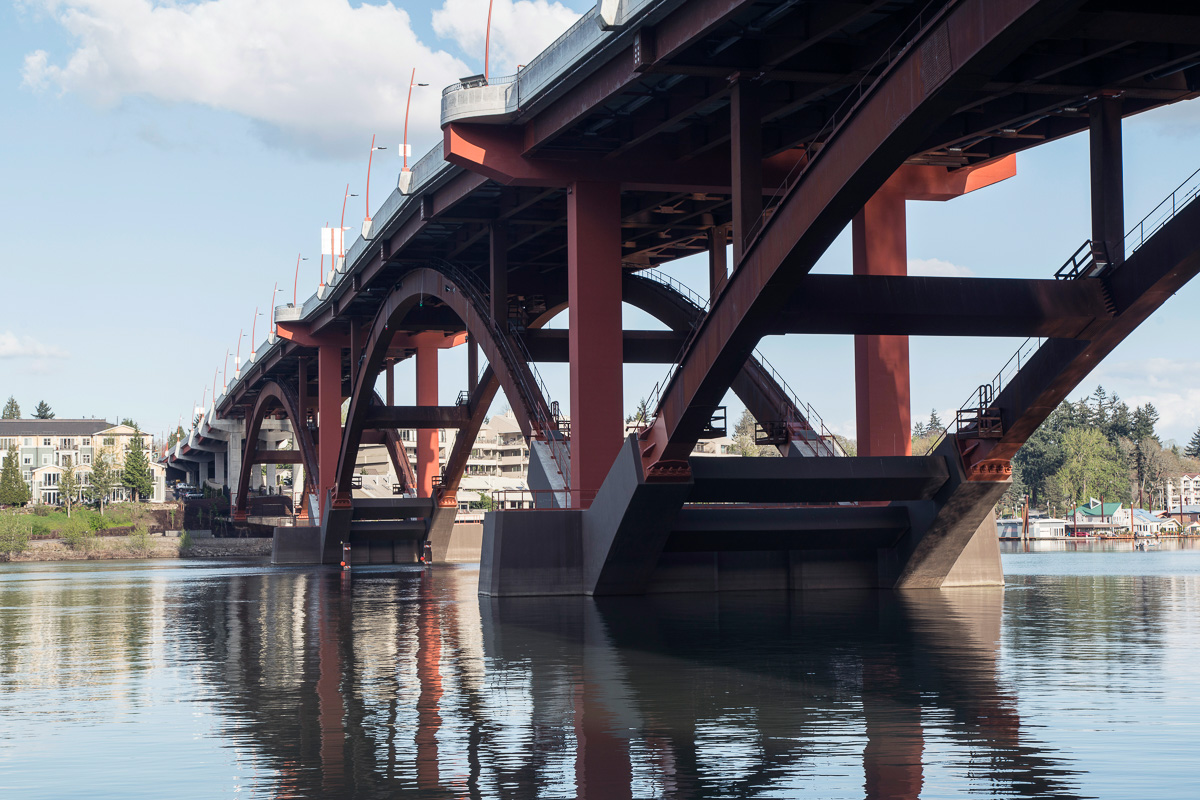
[(853, 522)]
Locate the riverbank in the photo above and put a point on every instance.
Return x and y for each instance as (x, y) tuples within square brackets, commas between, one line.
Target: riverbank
[(123, 547)]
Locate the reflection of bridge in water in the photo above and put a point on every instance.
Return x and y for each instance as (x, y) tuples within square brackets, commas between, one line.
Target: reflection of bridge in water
[(404, 681)]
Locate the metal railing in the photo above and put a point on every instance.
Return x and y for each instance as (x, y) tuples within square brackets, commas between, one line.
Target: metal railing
[(808, 416), (973, 417), (1163, 213), (555, 436), (1082, 264), (540, 415)]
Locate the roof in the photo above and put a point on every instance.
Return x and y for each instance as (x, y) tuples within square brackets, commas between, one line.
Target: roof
[(1145, 516), (1106, 509), (52, 427)]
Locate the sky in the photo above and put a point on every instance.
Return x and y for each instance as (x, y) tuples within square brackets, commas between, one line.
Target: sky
[(163, 164)]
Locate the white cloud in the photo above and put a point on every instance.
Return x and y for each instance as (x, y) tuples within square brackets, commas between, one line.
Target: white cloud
[(1171, 385), (318, 74), (520, 30), (13, 346), (937, 268)]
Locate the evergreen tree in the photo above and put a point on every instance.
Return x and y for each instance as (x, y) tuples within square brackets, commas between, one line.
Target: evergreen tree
[(1100, 415), (1193, 448), (1144, 419), (136, 475), (130, 423), (43, 411), (919, 430), (1120, 423), (13, 491), (104, 480), (934, 426), (641, 414), (11, 409), (178, 433), (68, 485)]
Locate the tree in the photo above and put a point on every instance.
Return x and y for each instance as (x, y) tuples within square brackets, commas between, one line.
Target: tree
[(130, 423), (136, 475), (68, 485), (743, 435), (1144, 419), (43, 411), (104, 480), (13, 491), (178, 434), (1091, 466), (11, 409), (640, 414), (1193, 448)]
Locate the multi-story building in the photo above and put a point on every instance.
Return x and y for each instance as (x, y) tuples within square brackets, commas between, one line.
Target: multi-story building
[(45, 445), (1181, 490)]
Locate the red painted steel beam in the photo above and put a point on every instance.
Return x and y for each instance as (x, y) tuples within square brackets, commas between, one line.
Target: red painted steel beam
[(413, 417), (956, 51), (272, 398), (928, 306)]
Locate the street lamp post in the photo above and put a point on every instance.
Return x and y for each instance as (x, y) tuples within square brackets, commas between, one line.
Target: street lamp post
[(487, 42), (296, 284), (366, 226), (405, 173)]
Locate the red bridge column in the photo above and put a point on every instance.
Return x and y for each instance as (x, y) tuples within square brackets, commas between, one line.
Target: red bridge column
[(884, 418), (881, 364), (329, 416), (427, 395), (595, 347)]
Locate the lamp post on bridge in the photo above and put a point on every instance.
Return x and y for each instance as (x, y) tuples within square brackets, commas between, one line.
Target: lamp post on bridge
[(366, 226), (296, 284), (253, 330), (487, 42), (406, 173)]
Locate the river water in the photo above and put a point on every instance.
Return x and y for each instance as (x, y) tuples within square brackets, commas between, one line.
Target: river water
[(177, 679)]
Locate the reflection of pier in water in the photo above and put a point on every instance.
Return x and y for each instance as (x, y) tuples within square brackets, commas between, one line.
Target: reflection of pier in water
[(406, 681)]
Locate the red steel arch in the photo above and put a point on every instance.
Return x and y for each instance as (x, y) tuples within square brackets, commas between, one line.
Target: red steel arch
[(273, 397), (456, 290), (865, 147)]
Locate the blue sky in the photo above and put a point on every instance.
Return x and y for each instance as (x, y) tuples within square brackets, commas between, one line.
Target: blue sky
[(164, 163)]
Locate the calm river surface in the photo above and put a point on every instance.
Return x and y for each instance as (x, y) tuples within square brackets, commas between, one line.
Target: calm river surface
[(165, 679)]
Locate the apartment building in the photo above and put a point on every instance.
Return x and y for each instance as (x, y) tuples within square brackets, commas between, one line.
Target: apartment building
[(44, 445), (1181, 490)]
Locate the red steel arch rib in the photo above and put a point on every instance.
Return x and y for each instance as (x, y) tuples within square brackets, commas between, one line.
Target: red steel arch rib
[(455, 289), (274, 396), (921, 87)]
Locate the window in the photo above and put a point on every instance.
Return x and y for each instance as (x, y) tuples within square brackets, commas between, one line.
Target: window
[(87, 441), (45, 460), (109, 441), (29, 441), (27, 460), (45, 441), (86, 458)]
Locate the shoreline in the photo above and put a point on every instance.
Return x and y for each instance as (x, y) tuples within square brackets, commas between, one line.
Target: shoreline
[(119, 548)]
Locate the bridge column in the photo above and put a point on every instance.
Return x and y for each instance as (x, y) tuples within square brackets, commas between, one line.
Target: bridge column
[(427, 395), (329, 417), (746, 146), (472, 364), (236, 445), (881, 374), (391, 382), (498, 256), (594, 343), (718, 271), (1108, 191), (298, 504), (219, 468), (881, 377)]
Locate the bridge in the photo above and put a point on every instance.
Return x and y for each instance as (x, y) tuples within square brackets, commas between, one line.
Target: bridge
[(753, 133)]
